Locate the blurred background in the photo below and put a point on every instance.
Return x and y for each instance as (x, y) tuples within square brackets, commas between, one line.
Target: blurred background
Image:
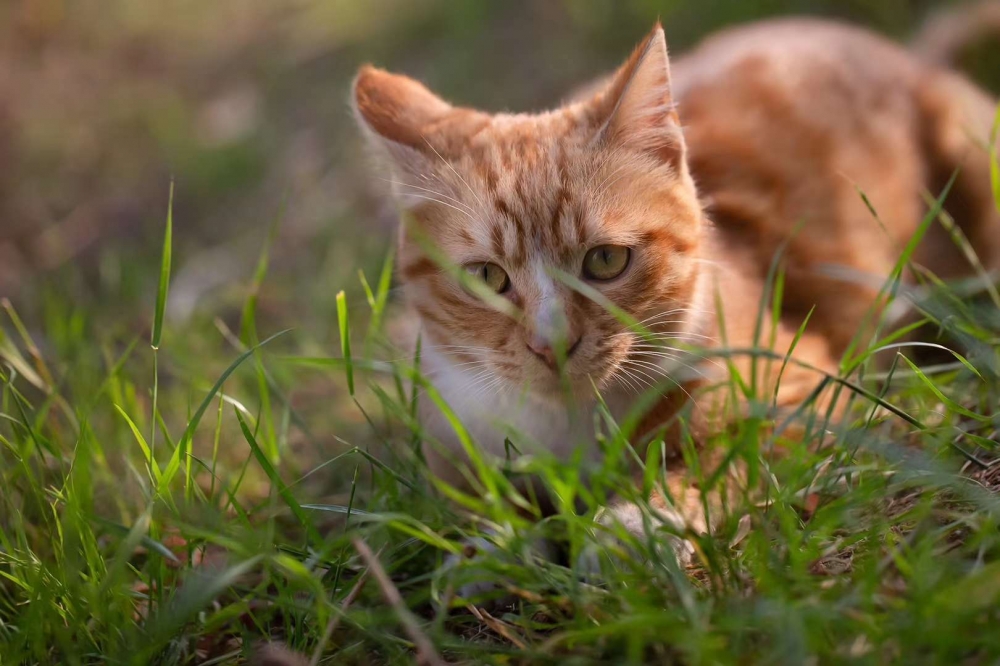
[(245, 105)]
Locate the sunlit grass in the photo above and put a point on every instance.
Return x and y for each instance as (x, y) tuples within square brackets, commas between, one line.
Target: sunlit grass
[(169, 506)]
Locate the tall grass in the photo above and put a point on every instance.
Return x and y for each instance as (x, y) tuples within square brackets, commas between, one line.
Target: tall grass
[(186, 514)]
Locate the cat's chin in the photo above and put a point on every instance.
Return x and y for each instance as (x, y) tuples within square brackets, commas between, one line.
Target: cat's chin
[(573, 388)]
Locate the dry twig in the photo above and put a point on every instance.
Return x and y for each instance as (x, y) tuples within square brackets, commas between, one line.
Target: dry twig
[(426, 654)]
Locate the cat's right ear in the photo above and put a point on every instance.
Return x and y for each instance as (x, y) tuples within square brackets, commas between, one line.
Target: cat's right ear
[(395, 113), (404, 120), (396, 108)]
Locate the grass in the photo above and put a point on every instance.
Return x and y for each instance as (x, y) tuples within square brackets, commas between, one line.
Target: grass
[(177, 491), (166, 505)]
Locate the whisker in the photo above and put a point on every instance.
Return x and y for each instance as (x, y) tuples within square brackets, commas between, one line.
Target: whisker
[(673, 335), (454, 171), (668, 313), (625, 379), (443, 203), (652, 334), (708, 262), (465, 367), (661, 349), (654, 323), (476, 387), (645, 382), (619, 150), (677, 359), (661, 345), (463, 347), (651, 381), (672, 381), (607, 185), (676, 354), (601, 188), (663, 370), (488, 386), (636, 371), (430, 191), (666, 333)]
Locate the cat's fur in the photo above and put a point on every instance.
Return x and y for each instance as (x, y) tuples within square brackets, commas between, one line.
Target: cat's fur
[(703, 169)]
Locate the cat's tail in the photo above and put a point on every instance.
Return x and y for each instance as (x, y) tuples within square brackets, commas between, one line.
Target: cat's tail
[(946, 34)]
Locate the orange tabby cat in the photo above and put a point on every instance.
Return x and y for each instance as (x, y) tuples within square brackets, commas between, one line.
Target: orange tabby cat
[(666, 192)]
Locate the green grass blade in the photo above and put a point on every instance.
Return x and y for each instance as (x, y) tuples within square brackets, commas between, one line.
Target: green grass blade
[(154, 468), (345, 340), (194, 595), (181, 450), (890, 287), (994, 163), (381, 295), (951, 404), (161, 291), (272, 474)]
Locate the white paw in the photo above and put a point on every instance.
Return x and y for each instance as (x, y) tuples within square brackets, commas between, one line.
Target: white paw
[(609, 548)]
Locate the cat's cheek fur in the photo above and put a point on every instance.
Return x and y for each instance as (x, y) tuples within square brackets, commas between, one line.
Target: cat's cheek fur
[(538, 419)]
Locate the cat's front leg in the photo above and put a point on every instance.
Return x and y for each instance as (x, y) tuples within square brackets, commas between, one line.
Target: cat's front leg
[(663, 519)]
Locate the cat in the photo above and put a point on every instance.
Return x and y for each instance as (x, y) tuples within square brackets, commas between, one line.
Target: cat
[(665, 191)]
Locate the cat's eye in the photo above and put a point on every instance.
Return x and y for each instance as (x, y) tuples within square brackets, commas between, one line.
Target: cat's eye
[(494, 276), (606, 262)]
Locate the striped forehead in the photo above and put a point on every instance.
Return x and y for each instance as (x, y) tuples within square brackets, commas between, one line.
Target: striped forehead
[(531, 200)]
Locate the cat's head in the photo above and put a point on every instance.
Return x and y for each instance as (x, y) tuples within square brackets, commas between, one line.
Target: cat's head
[(597, 191)]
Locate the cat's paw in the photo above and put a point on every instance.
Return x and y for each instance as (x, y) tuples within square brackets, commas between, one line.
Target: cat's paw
[(608, 548)]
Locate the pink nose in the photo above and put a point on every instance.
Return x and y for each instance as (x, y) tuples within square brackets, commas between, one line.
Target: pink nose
[(546, 352)]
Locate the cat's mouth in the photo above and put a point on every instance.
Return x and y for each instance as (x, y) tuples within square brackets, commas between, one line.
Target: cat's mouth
[(578, 372)]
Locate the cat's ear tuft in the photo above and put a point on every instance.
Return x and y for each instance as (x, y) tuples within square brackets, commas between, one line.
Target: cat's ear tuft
[(637, 108), (396, 108)]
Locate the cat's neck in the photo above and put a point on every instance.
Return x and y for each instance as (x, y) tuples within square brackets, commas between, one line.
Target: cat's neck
[(494, 413)]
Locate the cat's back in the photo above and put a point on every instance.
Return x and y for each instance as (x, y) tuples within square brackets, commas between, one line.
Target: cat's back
[(788, 121), (797, 52), (791, 110)]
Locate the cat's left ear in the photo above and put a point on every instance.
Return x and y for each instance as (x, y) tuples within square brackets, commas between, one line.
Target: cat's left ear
[(636, 109)]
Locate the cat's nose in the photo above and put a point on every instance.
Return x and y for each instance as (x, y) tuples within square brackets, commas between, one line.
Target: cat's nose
[(546, 351)]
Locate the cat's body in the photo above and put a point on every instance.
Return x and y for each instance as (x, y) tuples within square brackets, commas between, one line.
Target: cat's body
[(817, 113), (761, 137)]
